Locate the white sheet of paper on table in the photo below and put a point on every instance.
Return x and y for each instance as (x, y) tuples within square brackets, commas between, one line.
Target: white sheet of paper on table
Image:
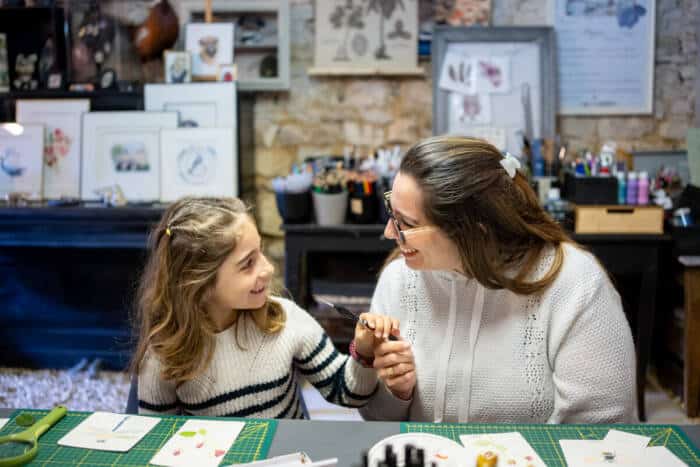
[(625, 438), (290, 460), (660, 455), (203, 443), (512, 448), (105, 431), (3, 422)]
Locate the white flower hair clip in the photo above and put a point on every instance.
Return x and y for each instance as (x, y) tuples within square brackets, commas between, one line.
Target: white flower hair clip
[(510, 163)]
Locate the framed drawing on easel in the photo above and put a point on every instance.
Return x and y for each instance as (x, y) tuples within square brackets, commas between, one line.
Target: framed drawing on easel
[(495, 83)]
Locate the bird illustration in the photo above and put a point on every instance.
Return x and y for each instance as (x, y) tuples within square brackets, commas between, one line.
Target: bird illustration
[(9, 163)]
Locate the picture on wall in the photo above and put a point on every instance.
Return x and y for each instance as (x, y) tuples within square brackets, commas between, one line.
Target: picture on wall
[(62, 120), (202, 105), (21, 150), (123, 148), (178, 66), (375, 38), (198, 162), (211, 45)]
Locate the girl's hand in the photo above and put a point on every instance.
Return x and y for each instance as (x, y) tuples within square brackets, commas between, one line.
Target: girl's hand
[(375, 330), (396, 367)]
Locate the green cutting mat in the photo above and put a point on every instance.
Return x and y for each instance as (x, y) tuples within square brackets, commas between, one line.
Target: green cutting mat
[(252, 443), (545, 438)]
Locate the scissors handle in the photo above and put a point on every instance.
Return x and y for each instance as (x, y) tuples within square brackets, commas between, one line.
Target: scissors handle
[(49, 420)]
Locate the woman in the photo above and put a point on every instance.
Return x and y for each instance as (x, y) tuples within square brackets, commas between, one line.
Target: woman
[(508, 319)]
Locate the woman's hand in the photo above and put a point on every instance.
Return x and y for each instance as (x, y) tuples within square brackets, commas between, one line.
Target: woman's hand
[(375, 330), (396, 367)]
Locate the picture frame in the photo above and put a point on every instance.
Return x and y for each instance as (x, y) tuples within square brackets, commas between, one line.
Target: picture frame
[(228, 73), (177, 66), (593, 35), (530, 51), (198, 162), (210, 45), (62, 120), (203, 105), (21, 161), (353, 40), (261, 37), (123, 148)]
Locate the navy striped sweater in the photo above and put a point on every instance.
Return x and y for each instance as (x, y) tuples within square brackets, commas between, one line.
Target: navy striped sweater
[(261, 380)]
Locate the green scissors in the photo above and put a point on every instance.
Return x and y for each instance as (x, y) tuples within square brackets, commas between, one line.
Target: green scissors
[(20, 448)]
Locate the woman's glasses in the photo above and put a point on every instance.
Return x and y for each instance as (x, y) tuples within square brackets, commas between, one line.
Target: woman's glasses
[(401, 234)]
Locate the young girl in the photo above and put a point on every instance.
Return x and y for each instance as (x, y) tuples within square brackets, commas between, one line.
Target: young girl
[(213, 342)]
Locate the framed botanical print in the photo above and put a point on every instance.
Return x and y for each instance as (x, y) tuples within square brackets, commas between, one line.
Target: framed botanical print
[(198, 162), (62, 120), (123, 148), (21, 149)]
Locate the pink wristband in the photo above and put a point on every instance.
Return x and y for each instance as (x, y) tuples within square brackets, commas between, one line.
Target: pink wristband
[(365, 362)]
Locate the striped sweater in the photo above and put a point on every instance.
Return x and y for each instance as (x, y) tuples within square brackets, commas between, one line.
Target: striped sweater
[(261, 379)]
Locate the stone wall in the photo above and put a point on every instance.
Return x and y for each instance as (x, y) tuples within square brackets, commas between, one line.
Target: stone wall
[(322, 115)]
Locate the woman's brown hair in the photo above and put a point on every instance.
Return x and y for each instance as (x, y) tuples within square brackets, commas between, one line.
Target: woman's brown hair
[(496, 221), (187, 247)]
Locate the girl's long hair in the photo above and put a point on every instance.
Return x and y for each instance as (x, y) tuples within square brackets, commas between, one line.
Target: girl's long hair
[(187, 247), (496, 221)]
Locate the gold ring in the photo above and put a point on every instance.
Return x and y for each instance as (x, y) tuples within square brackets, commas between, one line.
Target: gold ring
[(391, 372)]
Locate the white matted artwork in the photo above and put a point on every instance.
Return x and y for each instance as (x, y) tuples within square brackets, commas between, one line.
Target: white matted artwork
[(178, 66), (123, 148), (211, 45), (198, 162), (352, 38), (203, 105), (21, 159), (62, 120), (469, 109)]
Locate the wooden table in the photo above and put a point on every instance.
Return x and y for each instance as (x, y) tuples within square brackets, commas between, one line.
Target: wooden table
[(691, 350)]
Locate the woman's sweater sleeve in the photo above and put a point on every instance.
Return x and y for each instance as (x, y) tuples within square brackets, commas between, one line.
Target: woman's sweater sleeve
[(384, 405), (340, 379), (156, 396), (592, 354)]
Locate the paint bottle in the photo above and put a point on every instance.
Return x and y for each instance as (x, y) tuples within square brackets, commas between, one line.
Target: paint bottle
[(643, 189), (632, 188), (621, 188)]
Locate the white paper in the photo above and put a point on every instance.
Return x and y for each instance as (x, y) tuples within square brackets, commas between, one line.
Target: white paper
[(660, 455), (585, 453), (3, 422), (109, 432), (512, 448), (492, 74), (624, 438), (199, 442), (474, 109), (297, 458), (458, 74)]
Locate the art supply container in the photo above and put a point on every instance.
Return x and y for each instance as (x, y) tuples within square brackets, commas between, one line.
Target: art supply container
[(330, 208), (294, 208)]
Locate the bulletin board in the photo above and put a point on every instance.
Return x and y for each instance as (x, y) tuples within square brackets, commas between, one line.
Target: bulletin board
[(495, 83)]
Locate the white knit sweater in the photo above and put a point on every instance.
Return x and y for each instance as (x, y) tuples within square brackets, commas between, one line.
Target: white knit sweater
[(563, 356), (262, 380)]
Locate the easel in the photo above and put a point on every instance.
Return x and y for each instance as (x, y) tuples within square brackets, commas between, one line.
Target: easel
[(208, 14)]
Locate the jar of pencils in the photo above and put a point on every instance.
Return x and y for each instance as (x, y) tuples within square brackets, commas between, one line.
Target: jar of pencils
[(330, 197), (363, 201)]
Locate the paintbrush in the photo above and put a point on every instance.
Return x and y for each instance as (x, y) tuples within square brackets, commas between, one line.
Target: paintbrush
[(349, 315)]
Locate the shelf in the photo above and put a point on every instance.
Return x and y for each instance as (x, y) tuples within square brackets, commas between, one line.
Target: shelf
[(63, 94)]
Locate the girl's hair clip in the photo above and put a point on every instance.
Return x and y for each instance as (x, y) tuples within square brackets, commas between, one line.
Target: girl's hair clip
[(510, 163), (168, 232)]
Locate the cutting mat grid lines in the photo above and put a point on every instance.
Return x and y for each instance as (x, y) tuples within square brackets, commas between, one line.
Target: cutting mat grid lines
[(545, 438), (252, 443)]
